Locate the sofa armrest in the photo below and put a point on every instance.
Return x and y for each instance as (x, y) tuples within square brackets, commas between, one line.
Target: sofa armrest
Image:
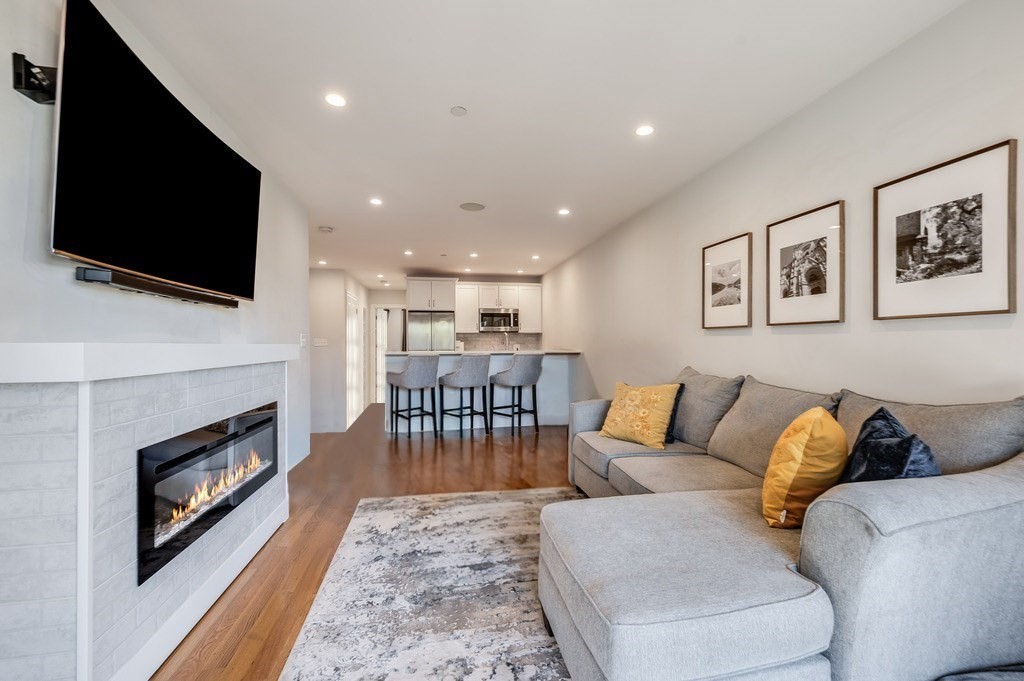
[(584, 416), (924, 575)]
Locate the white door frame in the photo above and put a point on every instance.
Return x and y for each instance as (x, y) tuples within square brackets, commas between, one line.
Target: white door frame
[(371, 348)]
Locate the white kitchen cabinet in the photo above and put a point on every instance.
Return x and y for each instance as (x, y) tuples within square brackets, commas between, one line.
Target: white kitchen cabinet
[(489, 295), (499, 295), (418, 294), (467, 308), (436, 295), (530, 308)]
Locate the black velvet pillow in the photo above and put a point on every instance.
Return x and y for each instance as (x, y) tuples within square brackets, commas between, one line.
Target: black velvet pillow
[(669, 437), (884, 450)]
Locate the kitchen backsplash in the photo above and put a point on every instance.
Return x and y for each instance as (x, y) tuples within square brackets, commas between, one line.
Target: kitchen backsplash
[(491, 342)]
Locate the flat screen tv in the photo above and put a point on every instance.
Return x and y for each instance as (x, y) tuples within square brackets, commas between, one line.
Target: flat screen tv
[(142, 186)]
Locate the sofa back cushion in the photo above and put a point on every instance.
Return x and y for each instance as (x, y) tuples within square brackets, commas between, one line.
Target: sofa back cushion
[(704, 401), (962, 437), (748, 432)]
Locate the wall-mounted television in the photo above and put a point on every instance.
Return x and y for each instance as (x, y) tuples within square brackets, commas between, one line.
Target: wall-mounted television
[(142, 186)]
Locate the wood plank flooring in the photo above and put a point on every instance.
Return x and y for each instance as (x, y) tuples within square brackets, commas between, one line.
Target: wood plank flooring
[(249, 631)]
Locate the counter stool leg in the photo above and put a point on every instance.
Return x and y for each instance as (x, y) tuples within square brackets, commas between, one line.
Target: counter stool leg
[(423, 404), (492, 405), (472, 410), (433, 409), (408, 413), (394, 410), (533, 389), (487, 424), (462, 409), (519, 410), (442, 410)]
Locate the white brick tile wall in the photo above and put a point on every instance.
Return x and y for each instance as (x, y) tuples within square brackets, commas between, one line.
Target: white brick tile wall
[(38, 484), (143, 411)]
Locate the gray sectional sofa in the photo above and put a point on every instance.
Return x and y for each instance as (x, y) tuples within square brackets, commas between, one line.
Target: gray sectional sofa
[(675, 575)]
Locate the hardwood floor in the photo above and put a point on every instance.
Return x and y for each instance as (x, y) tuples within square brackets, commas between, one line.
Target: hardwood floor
[(250, 630)]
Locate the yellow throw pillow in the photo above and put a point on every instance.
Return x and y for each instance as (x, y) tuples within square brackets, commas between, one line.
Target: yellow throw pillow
[(641, 414), (807, 460)]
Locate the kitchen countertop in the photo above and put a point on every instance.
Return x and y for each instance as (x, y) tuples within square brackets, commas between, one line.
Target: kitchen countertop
[(483, 352)]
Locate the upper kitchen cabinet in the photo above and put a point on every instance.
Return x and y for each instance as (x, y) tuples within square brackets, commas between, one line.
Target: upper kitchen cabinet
[(467, 313), (530, 313), (499, 295), (435, 295)]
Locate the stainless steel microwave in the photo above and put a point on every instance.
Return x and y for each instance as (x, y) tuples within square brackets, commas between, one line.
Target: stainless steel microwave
[(499, 319)]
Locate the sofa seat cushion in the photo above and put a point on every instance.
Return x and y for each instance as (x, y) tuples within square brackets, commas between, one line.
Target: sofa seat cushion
[(597, 452), (748, 432), (689, 585), (963, 437), (681, 473)]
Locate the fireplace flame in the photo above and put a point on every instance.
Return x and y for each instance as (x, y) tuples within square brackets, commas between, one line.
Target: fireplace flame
[(211, 487)]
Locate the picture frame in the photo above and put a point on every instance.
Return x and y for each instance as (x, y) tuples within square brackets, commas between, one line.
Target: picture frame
[(805, 265), (726, 283), (945, 238)]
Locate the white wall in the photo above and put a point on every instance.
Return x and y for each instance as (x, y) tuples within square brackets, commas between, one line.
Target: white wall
[(387, 297), (631, 301), (40, 301), (331, 380)]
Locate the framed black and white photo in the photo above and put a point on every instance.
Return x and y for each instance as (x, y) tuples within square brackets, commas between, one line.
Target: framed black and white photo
[(726, 283), (806, 277), (945, 238)]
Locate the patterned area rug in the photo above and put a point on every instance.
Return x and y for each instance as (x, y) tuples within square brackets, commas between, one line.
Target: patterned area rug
[(440, 586)]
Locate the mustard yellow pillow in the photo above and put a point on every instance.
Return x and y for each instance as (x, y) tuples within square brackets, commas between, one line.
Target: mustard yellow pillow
[(807, 460), (641, 414)]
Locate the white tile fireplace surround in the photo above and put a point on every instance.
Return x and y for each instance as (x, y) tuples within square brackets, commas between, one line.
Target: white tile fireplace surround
[(72, 419)]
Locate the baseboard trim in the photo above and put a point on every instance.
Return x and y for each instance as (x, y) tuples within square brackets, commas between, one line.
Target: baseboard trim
[(155, 651)]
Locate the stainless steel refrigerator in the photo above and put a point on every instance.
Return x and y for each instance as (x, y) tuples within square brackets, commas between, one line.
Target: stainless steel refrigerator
[(431, 331)]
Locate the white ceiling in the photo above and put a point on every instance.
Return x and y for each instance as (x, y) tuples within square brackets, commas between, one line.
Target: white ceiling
[(554, 89)]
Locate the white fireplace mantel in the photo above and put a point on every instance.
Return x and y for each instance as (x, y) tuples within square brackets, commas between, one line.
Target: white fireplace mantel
[(83, 362)]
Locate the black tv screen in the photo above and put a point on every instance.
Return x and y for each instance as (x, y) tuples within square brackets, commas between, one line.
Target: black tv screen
[(142, 186)]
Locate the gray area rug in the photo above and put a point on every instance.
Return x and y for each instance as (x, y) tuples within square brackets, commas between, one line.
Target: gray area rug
[(440, 586)]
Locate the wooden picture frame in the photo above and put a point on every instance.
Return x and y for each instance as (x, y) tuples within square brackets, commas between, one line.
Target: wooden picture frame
[(726, 283), (805, 267), (945, 238)]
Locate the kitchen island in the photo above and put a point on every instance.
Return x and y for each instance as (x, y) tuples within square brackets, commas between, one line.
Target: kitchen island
[(553, 389)]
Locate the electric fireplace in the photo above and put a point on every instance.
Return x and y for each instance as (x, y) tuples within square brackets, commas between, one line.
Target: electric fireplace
[(188, 483)]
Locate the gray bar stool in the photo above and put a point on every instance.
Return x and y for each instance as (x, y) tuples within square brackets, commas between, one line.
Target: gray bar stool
[(420, 373), (525, 371), (472, 373)]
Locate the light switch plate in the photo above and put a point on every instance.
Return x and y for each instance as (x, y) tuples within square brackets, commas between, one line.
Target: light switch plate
[(319, 342), (303, 340)]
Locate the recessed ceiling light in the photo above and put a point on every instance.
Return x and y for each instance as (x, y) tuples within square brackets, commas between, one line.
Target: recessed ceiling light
[(472, 206), (520, 270), (321, 262), (474, 255), (564, 211), (387, 283), (467, 270), (325, 229), (380, 276), (644, 130), (834, 227), (375, 201), (535, 257), (334, 99), (408, 252), (458, 111)]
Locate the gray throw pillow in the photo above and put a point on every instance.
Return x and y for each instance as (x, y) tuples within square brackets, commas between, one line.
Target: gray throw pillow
[(748, 433), (702, 404), (963, 437)]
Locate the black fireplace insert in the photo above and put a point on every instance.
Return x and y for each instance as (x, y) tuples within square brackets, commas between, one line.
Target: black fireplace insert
[(189, 483)]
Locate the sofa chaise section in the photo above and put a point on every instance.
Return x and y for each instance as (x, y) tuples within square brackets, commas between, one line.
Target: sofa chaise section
[(709, 590)]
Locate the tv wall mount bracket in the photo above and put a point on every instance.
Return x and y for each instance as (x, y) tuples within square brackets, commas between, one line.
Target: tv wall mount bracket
[(38, 83)]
